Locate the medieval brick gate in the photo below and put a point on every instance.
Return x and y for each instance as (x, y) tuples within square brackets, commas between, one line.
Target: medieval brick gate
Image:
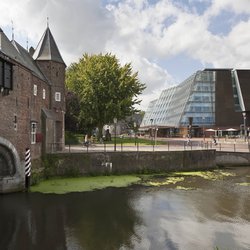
[(12, 176)]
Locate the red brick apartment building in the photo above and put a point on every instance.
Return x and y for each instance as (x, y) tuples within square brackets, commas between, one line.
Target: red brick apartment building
[(32, 105)]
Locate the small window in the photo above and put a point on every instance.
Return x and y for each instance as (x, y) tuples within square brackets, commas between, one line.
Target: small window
[(35, 89), (44, 93), (58, 96), (33, 133), (6, 72)]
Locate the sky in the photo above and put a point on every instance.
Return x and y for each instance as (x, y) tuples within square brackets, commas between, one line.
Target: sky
[(166, 41)]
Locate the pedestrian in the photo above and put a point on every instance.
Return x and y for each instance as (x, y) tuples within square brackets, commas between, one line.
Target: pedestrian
[(86, 142), (214, 141)]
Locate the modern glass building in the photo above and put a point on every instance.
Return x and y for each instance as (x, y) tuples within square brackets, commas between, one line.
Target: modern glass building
[(210, 98)]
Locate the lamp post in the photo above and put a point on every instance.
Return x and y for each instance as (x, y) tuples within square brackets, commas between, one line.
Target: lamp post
[(156, 130), (203, 131), (135, 131), (245, 131), (151, 131), (115, 122)]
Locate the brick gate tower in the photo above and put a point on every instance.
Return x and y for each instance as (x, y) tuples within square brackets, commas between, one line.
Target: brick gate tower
[(51, 64)]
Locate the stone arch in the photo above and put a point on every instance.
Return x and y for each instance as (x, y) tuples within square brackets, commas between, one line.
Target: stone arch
[(9, 159)]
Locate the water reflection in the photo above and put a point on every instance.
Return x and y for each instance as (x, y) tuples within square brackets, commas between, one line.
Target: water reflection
[(97, 220), (216, 213)]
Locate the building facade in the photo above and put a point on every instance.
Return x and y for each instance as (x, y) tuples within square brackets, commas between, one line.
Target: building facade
[(32, 105), (215, 99)]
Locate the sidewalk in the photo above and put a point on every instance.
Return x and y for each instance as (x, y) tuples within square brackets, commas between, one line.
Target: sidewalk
[(172, 144)]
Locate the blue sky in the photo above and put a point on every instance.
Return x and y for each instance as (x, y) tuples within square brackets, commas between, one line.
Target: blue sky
[(165, 40)]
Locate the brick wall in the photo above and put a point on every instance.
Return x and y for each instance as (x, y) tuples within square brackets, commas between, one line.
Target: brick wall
[(23, 107)]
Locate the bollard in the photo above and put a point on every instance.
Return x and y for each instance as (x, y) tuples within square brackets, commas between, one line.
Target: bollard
[(27, 168)]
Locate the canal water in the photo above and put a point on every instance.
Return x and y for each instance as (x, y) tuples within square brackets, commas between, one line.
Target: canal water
[(199, 214)]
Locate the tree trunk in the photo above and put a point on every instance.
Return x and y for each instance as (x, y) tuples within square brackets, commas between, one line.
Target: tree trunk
[(99, 135)]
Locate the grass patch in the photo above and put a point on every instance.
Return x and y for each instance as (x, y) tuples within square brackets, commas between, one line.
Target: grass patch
[(80, 184), (131, 141)]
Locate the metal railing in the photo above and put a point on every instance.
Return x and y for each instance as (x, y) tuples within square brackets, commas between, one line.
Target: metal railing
[(172, 145)]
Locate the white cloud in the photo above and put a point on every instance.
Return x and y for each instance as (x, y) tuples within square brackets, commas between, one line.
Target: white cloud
[(81, 27), (137, 31), (239, 6)]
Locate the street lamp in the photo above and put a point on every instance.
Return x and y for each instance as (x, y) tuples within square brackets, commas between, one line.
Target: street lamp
[(244, 118), (151, 130), (135, 131), (203, 131), (156, 130), (115, 122)]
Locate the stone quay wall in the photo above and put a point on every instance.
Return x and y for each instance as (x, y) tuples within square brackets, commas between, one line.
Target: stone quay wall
[(99, 163), (227, 159)]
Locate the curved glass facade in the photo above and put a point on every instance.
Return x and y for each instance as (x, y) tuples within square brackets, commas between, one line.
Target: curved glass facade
[(195, 97)]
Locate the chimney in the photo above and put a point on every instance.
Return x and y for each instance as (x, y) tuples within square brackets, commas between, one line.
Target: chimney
[(31, 51)]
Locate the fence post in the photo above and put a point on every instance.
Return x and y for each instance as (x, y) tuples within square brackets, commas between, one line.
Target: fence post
[(27, 168), (234, 147), (137, 146), (104, 144), (168, 145)]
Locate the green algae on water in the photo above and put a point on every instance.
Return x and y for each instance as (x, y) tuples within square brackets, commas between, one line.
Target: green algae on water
[(246, 184), (208, 175), (81, 184), (167, 181), (184, 188)]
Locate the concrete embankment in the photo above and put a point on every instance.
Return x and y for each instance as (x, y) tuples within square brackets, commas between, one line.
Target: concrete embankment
[(98, 163)]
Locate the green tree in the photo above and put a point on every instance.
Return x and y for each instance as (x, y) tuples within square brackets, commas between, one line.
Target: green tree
[(73, 111), (105, 89)]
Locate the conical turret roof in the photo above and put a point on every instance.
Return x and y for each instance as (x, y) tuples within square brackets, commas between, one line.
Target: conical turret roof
[(47, 49)]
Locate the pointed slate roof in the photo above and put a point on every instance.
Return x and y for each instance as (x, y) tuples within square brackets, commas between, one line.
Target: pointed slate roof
[(15, 51), (7, 48), (47, 48)]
